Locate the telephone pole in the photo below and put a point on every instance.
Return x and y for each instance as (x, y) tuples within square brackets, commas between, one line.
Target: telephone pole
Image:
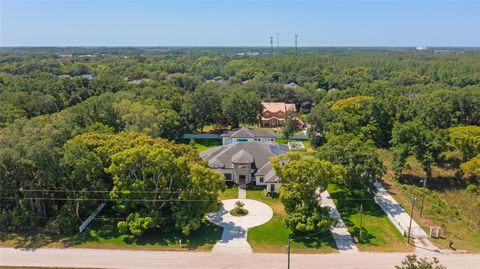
[(289, 240), (411, 217)]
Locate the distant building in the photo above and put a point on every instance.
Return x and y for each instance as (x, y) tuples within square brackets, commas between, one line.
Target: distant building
[(421, 48), (247, 135), (290, 85), (88, 76), (138, 81), (274, 114), (220, 81)]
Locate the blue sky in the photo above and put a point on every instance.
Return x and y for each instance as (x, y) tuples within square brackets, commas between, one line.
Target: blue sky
[(239, 23)]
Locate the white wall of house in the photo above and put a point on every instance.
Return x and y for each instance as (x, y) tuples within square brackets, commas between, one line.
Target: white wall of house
[(229, 140), (246, 170), (275, 188), (226, 171), (259, 180)]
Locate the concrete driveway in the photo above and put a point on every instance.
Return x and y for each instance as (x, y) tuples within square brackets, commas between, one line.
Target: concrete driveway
[(234, 236)]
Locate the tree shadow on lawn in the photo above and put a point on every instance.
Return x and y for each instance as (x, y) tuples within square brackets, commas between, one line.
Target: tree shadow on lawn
[(348, 203), (30, 241), (367, 238), (208, 233), (321, 240)]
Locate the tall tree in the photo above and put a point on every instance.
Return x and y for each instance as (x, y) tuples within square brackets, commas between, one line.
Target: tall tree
[(413, 138), (359, 158), (466, 139), (301, 178), (290, 126)]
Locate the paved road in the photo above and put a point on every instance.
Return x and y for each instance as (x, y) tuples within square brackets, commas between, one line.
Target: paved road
[(341, 235), (93, 258), (234, 236)]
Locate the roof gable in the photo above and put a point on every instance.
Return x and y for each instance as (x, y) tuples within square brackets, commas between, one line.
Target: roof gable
[(242, 157)]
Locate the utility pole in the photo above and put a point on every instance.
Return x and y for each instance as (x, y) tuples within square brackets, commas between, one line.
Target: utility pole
[(411, 217), (361, 221), (288, 250), (296, 43), (271, 46)]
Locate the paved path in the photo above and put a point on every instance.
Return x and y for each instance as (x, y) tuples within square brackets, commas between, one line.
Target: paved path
[(103, 258), (396, 213), (341, 235), (242, 193), (234, 236)]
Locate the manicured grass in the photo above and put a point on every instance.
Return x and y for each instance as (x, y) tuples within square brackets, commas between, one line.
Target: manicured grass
[(446, 204), (273, 235), (103, 234), (378, 233), (229, 193), (202, 145)]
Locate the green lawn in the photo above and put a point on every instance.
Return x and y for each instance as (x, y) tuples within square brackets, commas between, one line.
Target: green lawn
[(205, 144), (378, 233), (273, 235), (229, 193), (103, 234)]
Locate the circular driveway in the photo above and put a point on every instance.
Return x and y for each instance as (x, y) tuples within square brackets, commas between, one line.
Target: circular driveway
[(258, 214)]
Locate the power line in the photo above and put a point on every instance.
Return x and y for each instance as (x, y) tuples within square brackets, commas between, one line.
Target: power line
[(108, 199), (96, 191)]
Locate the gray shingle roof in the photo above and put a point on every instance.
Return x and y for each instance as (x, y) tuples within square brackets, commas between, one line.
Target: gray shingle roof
[(242, 157), (245, 132), (260, 153)]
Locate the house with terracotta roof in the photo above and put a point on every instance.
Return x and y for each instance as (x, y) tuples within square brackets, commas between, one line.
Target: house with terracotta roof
[(247, 135), (274, 113), (246, 163)]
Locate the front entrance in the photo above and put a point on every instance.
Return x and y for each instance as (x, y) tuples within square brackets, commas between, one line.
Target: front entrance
[(242, 181)]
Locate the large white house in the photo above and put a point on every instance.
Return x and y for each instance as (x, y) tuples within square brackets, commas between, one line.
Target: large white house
[(246, 135), (246, 163)]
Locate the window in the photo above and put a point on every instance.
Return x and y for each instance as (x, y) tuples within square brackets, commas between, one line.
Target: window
[(242, 139), (228, 177), (257, 139), (272, 187), (261, 179)]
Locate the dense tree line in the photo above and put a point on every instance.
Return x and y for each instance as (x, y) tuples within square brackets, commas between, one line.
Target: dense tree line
[(66, 131)]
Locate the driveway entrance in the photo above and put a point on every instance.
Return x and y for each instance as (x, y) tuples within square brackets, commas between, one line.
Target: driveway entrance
[(242, 181)]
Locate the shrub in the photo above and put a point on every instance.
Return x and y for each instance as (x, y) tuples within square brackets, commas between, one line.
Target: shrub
[(471, 188), (411, 262)]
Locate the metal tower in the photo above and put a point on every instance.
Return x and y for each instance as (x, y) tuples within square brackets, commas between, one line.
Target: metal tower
[(271, 45)]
